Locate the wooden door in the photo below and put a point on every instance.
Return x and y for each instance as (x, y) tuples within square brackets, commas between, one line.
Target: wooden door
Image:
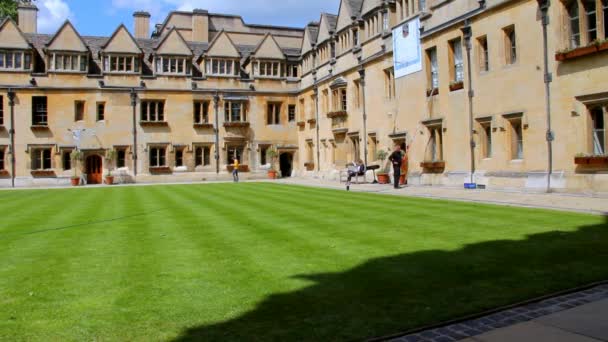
[(94, 170)]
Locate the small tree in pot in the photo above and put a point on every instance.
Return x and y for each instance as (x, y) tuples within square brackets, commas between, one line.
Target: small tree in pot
[(383, 177), (75, 158), (272, 154), (110, 156)]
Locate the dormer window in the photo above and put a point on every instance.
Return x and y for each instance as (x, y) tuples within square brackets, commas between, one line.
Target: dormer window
[(68, 62), (268, 69), (222, 67), (170, 65), (121, 64), (15, 60)]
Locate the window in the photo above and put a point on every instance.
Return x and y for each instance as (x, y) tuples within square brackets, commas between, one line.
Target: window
[(68, 62), (590, 15), (263, 151), (434, 68), (355, 37), (573, 16), (121, 158), (486, 139), (170, 65), (435, 148), (79, 111), (605, 17), (66, 159), (201, 112), (385, 22), (2, 166), (517, 139), (202, 156), (484, 58), (599, 131), (15, 60), (422, 5), (268, 69), (510, 45), (157, 157), (291, 113), (179, 157), (222, 67), (234, 152), (389, 83), (292, 71), (456, 59), (273, 114), (358, 93), (101, 111), (1, 111), (39, 111), (339, 99), (235, 111), (121, 64), (41, 159), (152, 111)]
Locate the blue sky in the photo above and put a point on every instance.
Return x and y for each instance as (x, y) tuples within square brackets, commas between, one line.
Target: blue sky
[(101, 17)]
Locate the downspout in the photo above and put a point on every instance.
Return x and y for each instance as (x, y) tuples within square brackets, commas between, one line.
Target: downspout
[(216, 101), (467, 32), (134, 106), (362, 76), (11, 103), (548, 77), (317, 127)]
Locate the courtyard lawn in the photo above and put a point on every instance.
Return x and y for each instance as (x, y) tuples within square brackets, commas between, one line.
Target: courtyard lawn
[(272, 262)]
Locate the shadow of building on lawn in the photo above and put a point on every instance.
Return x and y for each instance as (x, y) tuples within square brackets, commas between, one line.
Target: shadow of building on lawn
[(386, 295)]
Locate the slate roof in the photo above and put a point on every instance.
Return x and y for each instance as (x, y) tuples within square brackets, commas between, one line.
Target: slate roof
[(355, 7)]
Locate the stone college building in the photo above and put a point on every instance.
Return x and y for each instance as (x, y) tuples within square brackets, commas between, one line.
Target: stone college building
[(510, 94)]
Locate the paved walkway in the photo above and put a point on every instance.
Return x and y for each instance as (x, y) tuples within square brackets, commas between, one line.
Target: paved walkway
[(577, 317), (595, 204)]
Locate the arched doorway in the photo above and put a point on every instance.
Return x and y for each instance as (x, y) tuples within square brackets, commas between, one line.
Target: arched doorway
[(286, 161), (93, 169)]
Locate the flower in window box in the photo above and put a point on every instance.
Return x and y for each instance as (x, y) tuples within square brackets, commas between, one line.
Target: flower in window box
[(456, 85)]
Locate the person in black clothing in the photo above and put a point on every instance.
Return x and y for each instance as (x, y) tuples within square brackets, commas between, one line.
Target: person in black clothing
[(396, 158)]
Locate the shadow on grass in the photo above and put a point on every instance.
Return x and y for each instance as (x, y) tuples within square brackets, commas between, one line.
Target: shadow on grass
[(386, 295)]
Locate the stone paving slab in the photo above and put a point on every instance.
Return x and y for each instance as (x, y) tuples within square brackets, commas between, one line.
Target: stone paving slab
[(515, 316), (532, 331), (589, 320)]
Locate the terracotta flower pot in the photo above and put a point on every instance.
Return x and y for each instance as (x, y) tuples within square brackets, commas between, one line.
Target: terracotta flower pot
[(272, 174), (75, 181), (383, 178), (109, 180), (403, 179)]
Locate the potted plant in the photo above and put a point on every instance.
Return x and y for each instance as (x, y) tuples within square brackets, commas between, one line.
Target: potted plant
[(383, 177), (75, 157), (272, 154), (110, 156)]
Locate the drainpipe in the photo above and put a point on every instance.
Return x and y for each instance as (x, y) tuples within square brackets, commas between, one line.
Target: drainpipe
[(317, 126), (467, 32), (216, 101), (544, 9), (11, 103), (362, 76), (134, 106)]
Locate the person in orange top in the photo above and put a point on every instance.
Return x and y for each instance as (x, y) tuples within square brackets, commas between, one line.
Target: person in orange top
[(235, 172)]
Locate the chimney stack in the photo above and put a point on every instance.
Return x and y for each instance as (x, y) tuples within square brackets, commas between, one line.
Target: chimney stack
[(27, 14), (200, 26), (142, 25)]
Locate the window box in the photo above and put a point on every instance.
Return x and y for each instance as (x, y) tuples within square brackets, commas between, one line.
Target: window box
[(456, 86), (39, 127), (432, 92), (236, 124), (309, 166), (43, 174), (301, 124), (312, 121), (4, 173), (242, 168), (203, 125), (160, 170), (153, 123), (433, 167), (591, 161), (581, 51), (337, 114)]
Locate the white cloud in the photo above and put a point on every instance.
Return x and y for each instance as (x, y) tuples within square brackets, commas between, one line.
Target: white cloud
[(52, 13)]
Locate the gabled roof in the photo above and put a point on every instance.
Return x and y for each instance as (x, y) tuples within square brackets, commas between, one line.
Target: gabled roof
[(355, 7), (67, 39), (173, 43), (268, 48), (122, 41), (370, 5), (223, 46), (310, 37), (327, 25), (11, 36), (348, 9)]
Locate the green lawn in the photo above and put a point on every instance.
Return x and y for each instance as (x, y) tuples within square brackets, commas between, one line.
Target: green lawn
[(272, 262)]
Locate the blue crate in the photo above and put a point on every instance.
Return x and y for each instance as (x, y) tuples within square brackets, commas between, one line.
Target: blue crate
[(470, 186)]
